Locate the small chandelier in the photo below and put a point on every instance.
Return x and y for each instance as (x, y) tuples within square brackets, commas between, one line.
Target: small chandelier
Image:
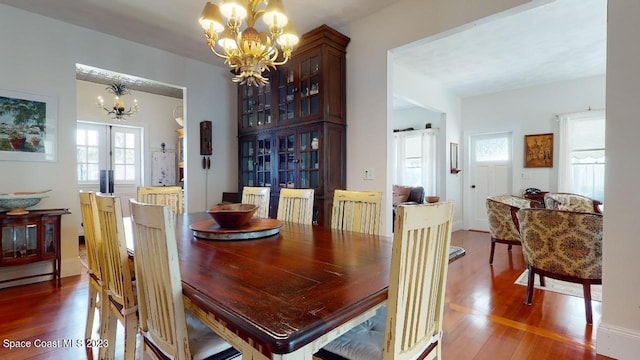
[(118, 111), (249, 52)]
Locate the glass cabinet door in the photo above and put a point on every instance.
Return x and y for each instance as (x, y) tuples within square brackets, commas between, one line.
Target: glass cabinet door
[(287, 160), (309, 86), (19, 241), (255, 106), (247, 162), (49, 244), (287, 87), (309, 159), (263, 160)]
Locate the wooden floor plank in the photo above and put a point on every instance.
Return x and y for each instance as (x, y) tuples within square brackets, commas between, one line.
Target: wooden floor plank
[(485, 315)]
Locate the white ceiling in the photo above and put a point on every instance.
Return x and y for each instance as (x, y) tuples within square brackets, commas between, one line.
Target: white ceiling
[(565, 39)]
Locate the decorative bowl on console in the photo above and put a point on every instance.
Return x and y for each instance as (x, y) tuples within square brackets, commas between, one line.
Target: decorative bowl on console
[(17, 202), (232, 216)]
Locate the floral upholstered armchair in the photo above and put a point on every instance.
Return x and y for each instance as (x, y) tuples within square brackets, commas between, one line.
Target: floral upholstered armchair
[(564, 245), (503, 223), (571, 202)]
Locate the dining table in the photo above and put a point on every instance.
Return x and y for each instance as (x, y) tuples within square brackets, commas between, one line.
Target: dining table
[(285, 295)]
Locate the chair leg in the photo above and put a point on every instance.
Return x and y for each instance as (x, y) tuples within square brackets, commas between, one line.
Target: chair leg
[(542, 280), (91, 311), (130, 332), (530, 279), (510, 247), (493, 249), (586, 289), (111, 324)]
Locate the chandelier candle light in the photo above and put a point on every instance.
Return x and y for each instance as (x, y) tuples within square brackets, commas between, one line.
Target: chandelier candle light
[(118, 111), (249, 52)]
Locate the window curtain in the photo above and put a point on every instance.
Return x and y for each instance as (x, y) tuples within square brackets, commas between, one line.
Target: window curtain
[(416, 159), (578, 135)]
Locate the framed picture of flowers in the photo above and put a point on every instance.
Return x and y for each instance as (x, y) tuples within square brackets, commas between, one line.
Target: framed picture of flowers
[(27, 126)]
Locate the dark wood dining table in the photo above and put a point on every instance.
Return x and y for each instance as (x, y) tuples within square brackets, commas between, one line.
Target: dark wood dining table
[(283, 296)]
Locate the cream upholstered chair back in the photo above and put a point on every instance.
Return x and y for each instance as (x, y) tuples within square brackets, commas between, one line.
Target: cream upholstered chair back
[(571, 202), (257, 196), (162, 195), (93, 247), (356, 211), (119, 282), (503, 223), (165, 325), (565, 245), (412, 319), (296, 205)]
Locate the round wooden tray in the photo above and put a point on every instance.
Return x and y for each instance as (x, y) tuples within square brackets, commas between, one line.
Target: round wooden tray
[(255, 229)]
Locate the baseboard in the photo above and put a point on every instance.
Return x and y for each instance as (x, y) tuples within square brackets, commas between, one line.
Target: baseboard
[(618, 343)]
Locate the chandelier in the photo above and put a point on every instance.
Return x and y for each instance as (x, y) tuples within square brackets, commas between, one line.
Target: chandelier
[(249, 52), (118, 111)]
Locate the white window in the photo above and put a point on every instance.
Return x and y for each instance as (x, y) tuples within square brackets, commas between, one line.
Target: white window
[(582, 154), (416, 159), (108, 147)]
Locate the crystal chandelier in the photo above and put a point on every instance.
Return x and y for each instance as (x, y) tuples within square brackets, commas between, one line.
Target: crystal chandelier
[(249, 52), (118, 111)]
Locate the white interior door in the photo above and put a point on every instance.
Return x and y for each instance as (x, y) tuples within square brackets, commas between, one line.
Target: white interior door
[(490, 160)]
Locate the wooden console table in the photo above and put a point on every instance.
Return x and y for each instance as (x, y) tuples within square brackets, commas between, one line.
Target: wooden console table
[(30, 238)]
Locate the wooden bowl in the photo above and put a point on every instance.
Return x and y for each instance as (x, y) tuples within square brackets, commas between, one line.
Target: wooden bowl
[(232, 216), (433, 199)]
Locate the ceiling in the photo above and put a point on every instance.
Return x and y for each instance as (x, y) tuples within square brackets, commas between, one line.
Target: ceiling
[(565, 39)]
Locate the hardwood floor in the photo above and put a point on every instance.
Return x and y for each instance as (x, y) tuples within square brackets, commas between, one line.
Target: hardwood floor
[(485, 315)]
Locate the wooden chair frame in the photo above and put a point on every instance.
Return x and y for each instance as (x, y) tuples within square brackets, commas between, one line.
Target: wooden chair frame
[(94, 248), (119, 283), (258, 196), (296, 205), (162, 195), (356, 211)]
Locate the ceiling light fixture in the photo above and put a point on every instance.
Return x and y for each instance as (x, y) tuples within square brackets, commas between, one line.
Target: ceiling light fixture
[(118, 111), (249, 52)]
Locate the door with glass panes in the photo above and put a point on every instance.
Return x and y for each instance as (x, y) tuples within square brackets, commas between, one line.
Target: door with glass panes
[(299, 158)]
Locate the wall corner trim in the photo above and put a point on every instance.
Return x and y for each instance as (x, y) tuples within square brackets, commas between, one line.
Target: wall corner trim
[(617, 342)]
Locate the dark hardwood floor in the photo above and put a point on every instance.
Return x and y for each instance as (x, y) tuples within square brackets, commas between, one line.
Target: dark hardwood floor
[(485, 315)]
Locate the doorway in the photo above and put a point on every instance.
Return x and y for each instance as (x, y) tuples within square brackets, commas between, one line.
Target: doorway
[(490, 165)]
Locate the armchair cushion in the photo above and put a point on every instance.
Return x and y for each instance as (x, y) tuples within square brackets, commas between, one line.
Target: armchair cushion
[(571, 202), (400, 194)]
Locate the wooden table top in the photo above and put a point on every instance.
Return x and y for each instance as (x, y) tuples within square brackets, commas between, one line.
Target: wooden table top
[(282, 292)]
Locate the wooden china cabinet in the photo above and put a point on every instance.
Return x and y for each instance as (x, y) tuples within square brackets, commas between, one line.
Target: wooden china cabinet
[(292, 132), (30, 238)]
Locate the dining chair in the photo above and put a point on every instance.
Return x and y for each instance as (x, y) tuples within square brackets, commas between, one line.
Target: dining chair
[(296, 205), (257, 196), (167, 329), (356, 211), (571, 202), (503, 223), (122, 304), (93, 247), (410, 325), (563, 245), (162, 195)]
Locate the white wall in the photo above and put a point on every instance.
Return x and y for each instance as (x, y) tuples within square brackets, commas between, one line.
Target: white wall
[(531, 111), (42, 60), (619, 330)]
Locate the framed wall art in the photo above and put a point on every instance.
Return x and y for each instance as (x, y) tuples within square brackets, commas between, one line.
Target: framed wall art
[(538, 150), (27, 126)]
